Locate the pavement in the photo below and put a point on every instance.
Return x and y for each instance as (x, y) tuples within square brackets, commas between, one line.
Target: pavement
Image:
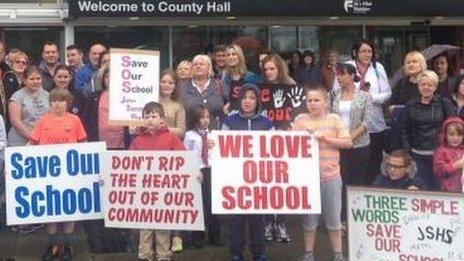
[(120, 245)]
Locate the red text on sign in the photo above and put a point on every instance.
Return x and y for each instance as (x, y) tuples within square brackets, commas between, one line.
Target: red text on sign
[(279, 146), (235, 146), (265, 171)]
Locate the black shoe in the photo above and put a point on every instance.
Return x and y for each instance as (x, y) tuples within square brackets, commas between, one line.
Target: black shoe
[(66, 254), (50, 253)]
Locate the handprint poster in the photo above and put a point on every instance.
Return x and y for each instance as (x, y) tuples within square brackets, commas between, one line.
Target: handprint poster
[(282, 103)]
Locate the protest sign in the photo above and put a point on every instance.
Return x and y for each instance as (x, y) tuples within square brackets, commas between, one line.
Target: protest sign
[(53, 183), (134, 81), (404, 225), (265, 172), (282, 103), (153, 190)]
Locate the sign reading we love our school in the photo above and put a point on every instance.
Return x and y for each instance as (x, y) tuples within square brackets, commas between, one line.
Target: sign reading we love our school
[(134, 82), (404, 225), (265, 172)]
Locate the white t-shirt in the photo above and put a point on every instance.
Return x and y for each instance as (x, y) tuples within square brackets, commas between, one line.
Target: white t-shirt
[(345, 108)]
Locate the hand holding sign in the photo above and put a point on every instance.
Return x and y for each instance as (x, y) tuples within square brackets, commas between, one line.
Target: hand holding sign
[(320, 136)]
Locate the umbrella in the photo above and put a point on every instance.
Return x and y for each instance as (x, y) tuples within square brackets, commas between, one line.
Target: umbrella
[(429, 53), (436, 49)]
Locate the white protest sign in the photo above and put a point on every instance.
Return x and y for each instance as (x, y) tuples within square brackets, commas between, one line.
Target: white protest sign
[(134, 81), (386, 224), (53, 183), (265, 172), (153, 190)]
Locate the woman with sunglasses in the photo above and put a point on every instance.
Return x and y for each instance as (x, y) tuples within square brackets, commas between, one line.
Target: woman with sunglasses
[(12, 81)]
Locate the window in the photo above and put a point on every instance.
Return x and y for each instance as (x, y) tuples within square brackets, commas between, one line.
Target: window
[(140, 37)]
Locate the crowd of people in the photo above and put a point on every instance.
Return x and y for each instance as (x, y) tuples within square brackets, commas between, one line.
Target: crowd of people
[(409, 136)]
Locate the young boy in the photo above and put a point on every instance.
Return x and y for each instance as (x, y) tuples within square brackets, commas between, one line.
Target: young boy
[(329, 130), (155, 136), (59, 127), (398, 171), (248, 118)]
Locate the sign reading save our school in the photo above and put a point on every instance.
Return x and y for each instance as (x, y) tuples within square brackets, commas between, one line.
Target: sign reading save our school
[(405, 225), (134, 81), (153, 190), (265, 172), (53, 183)]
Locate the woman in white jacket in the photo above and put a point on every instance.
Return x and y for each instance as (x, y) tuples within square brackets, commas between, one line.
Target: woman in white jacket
[(374, 80)]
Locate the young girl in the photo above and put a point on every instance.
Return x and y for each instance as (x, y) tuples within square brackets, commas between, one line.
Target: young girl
[(58, 127), (197, 140), (26, 106), (329, 130), (175, 120), (63, 78), (448, 160), (170, 99), (277, 80)]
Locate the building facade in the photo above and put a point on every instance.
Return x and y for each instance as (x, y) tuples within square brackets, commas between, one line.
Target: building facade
[(180, 29)]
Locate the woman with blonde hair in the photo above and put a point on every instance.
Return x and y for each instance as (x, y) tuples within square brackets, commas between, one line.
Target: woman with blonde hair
[(235, 76), (204, 90), (423, 118), (184, 70), (12, 80), (405, 90)]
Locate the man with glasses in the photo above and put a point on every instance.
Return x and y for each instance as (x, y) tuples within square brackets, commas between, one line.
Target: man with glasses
[(398, 171)]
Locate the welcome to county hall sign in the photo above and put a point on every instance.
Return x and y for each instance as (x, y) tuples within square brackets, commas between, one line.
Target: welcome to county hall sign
[(257, 8)]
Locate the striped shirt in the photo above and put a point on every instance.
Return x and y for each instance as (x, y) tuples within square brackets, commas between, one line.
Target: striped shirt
[(332, 127)]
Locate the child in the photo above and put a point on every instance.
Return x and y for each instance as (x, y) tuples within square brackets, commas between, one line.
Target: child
[(197, 141), (155, 136), (448, 161), (328, 129), (248, 118), (184, 70), (59, 127), (398, 171)]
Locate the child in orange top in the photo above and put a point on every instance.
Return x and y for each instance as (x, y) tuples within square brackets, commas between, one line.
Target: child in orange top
[(329, 131), (58, 127)]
